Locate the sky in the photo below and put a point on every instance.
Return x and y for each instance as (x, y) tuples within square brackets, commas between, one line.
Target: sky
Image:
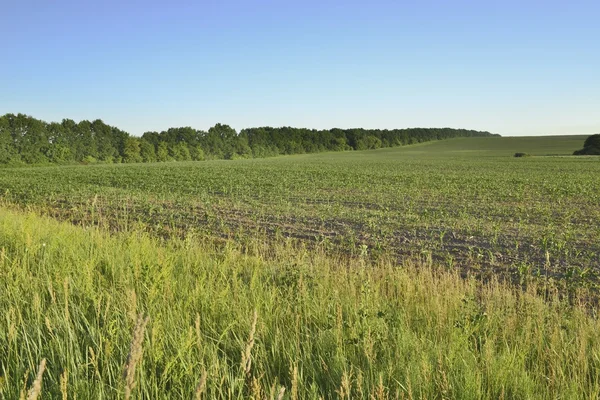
[(510, 67)]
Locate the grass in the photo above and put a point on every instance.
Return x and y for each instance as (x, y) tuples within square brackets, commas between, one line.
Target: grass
[(435, 271), (322, 327)]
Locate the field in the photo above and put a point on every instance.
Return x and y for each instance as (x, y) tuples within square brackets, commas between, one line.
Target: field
[(443, 270), (464, 203)]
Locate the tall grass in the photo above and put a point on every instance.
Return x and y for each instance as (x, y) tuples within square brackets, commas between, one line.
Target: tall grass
[(229, 324)]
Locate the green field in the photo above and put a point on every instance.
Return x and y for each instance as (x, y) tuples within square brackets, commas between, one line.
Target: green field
[(464, 203), (442, 270)]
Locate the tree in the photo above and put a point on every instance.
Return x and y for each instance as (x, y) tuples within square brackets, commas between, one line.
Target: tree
[(220, 141), (85, 141), (58, 149), (147, 151), (106, 143), (162, 152), (29, 138), (8, 152), (180, 152), (197, 153), (369, 142), (132, 150), (152, 137), (593, 141), (591, 146)]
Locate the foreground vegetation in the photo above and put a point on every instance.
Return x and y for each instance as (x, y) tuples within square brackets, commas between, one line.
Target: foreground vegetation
[(253, 322)]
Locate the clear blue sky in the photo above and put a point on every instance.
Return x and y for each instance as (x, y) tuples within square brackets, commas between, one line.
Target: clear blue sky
[(509, 67)]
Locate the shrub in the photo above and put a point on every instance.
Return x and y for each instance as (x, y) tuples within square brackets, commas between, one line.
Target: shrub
[(591, 147), (89, 160), (522, 155), (593, 141)]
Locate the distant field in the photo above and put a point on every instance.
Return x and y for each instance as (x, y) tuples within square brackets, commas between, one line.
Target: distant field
[(495, 146), (467, 203)]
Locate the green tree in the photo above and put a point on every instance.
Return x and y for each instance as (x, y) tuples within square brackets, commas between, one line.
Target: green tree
[(106, 145), (593, 141), (221, 140), (58, 150), (591, 146), (152, 137), (8, 152), (29, 136), (147, 151), (197, 153), (85, 141), (162, 152), (132, 150), (180, 152)]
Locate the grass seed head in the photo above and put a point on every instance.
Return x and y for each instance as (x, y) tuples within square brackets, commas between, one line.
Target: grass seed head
[(281, 393), (36, 387), (64, 378), (201, 387), (247, 354), (135, 354)]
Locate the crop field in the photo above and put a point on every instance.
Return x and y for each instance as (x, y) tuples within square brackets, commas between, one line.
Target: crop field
[(463, 203), (445, 270)]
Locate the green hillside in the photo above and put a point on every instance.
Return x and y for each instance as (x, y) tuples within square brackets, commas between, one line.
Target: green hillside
[(495, 146)]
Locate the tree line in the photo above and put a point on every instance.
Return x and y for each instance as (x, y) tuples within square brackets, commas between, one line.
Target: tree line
[(27, 140)]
